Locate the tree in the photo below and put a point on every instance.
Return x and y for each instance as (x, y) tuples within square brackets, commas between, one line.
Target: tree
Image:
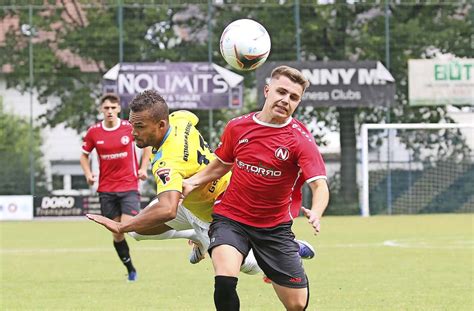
[(15, 150), (336, 31), (357, 32)]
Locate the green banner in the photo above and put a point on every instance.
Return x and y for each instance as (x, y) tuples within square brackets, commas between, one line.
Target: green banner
[(441, 82)]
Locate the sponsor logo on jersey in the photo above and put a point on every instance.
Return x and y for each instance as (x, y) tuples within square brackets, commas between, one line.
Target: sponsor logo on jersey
[(125, 140), (282, 153), (114, 156), (259, 169), (295, 280), (243, 141), (164, 175), (100, 142), (187, 130)]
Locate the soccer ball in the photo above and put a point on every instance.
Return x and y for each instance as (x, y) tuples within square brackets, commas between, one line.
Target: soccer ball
[(245, 44)]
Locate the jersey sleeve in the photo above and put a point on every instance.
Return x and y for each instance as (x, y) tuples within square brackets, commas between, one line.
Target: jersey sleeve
[(168, 177), (225, 150), (310, 161), (88, 142)]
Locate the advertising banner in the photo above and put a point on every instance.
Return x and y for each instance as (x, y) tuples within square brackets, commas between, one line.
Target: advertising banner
[(16, 207), (196, 85), (70, 205), (441, 82), (339, 83)]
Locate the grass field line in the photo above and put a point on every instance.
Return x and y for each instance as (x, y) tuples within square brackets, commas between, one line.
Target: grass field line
[(155, 248), (430, 244), (401, 243), (82, 250)]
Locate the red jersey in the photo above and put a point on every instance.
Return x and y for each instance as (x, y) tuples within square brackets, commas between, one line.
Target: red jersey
[(297, 198), (118, 165), (267, 161)]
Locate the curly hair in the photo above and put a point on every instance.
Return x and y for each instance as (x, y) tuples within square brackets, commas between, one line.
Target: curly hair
[(150, 100)]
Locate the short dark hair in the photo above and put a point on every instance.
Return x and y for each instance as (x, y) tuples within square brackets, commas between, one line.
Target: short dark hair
[(150, 100), (291, 73), (111, 97)]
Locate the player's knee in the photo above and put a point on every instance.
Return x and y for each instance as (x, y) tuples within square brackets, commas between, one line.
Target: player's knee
[(296, 305)]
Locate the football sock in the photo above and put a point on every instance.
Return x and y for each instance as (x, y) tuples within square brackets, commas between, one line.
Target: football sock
[(225, 293), (124, 254), (189, 234)]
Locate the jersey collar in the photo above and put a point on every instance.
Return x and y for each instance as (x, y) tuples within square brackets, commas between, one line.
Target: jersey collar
[(155, 150), (108, 129), (254, 117)]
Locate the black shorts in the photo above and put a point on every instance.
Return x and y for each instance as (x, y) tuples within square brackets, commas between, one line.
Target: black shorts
[(274, 248), (113, 204)]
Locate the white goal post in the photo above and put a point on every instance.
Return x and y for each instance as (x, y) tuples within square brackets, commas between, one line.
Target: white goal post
[(365, 208)]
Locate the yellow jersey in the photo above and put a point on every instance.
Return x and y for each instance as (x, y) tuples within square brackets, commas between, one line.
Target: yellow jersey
[(183, 153)]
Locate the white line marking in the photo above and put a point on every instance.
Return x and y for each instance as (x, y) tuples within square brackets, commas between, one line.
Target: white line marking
[(440, 243), (81, 250), (444, 243)]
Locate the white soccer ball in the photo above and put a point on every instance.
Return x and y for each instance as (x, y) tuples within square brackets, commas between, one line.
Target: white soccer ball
[(245, 44)]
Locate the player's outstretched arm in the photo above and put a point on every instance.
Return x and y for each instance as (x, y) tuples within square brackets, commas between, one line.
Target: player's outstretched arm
[(159, 211), (215, 170), (320, 191), (110, 224)]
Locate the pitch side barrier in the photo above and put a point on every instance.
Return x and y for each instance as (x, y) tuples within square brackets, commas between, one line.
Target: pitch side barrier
[(26, 207), (71, 205)]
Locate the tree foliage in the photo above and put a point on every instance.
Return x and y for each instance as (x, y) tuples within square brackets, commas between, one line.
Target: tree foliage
[(15, 151), (159, 32)]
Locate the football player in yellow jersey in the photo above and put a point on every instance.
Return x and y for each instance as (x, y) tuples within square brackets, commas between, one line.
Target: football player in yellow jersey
[(182, 153), (179, 151)]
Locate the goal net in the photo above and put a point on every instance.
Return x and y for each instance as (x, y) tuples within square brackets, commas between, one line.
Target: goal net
[(417, 168)]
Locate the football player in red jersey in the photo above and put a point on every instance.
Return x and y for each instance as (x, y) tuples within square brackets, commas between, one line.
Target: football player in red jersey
[(118, 171), (268, 151)]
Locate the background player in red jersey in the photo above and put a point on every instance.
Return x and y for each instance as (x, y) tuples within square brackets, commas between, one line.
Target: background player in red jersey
[(268, 150), (118, 171)]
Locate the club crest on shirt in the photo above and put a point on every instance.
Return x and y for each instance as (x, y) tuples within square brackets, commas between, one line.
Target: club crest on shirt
[(125, 140), (164, 175), (282, 153)]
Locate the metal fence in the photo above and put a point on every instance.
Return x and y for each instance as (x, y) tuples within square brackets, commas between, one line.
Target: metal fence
[(58, 51)]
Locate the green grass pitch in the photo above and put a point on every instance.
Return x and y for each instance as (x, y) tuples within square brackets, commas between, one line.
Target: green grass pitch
[(422, 262)]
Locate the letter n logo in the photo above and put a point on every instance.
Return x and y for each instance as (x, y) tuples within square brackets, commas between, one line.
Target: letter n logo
[(282, 154)]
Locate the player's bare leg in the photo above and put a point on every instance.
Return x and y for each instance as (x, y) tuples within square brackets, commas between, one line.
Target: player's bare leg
[(294, 299), (164, 232), (226, 261)]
